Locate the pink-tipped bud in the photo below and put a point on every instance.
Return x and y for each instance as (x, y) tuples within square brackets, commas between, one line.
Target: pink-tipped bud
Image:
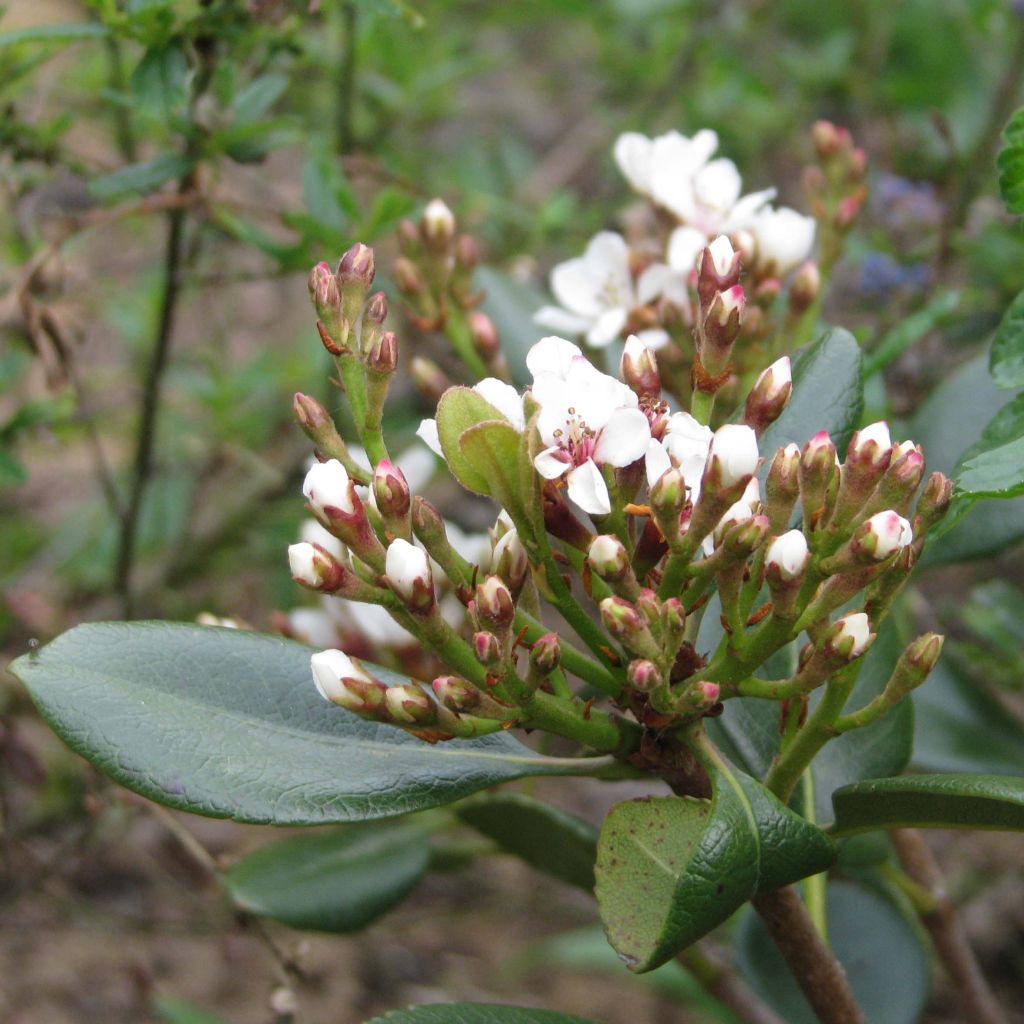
[(673, 617), (437, 225), (376, 310), (357, 266), (509, 560), (849, 637), (884, 534), (407, 570), (315, 567), (327, 486), (383, 355), (621, 618), (486, 648), (608, 557), (818, 467), (769, 395), (330, 670), (455, 694), (391, 491), (313, 418), (639, 369), (745, 536), (828, 139), (934, 501), (546, 653), (788, 556), (467, 254), (805, 287), (648, 605), (706, 694), (733, 456), (484, 334), (643, 675), (668, 493), (407, 277), (323, 288), (494, 605), (409, 705), (718, 268), (847, 211), (871, 447), (782, 486), (722, 325)]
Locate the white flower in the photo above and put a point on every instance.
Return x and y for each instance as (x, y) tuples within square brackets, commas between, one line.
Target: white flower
[(722, 255), (302, 561), (685, 445), (312, 532), (438, 221), (789, 554), (371, 621), (735, 448), (888, 532), (327, 486), (502, 396), (587, 420), (783, 239), (597, 293), (855, 627), (876, 432), (650, 165), (312, 626), (329, 669), (407, 567)]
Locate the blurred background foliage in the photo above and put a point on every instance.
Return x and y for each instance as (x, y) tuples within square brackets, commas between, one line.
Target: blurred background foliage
[(171, 171)]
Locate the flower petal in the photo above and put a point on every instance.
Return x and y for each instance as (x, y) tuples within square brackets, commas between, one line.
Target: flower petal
[(552, 355), (685, 244), (656, 462), (427, 432), (651, 282), (607, 327), (557, 319), (633, 153), (624, 438), (586, 487), (552, 463), (576, 287), (504, 398)]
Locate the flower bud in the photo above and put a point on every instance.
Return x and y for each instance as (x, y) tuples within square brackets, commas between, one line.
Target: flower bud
[(314, 567), (408, 237), (805, 287), (644, 675), (409, 705), (330, 670), (828, 139), (430, 379), (391, 496), (788, 556), (487, 648), (849, 637), (437, 225), (818, 464), (673, 620), (407, 571), (621, 618), (847, 210), (323, 288), (782, 487), (733, 456), (376, 311), (649, 606), (484, 335), (882, 535), (706, 694), (871, 447), (383, 356), (639, 369), (608, 557), (357, 266), (467, 254), (546, 653), (509, 560), (455, 694), (327, 486), (722, 326), (407, 277), (769, 396), (494, 605), (923, 654), (718, 268), (934, 502)]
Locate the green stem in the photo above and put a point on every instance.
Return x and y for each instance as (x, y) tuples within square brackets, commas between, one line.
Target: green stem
[(702, 406), (817, 731), (815, 887), (572, 659), (456, 330)]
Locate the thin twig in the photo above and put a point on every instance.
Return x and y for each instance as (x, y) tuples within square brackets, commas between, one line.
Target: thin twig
[(946, 930), (727, 987), (819, 974)]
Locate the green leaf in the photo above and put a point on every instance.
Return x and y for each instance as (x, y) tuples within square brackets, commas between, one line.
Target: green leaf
[(888, 967), (995, 473), (1011, 164), (548, 839), (992, 802), (476, 1013), (961, 728), (828, 394), (54, 34), (459, 409), (1006, 361), (988, 527), (492, 449), (176, 1011), (256, 98), (228, 724), (160, 80), (671, 869), (910, 330), (748, 731), (141, 178), (339, 881)]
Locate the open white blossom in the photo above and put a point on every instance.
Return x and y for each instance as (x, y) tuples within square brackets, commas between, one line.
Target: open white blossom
[(597, 293), (684, 444), (783, 239), (587, 420)]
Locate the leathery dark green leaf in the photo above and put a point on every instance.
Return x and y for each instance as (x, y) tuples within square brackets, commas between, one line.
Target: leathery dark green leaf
[(992, 802), (228, 724), (670, 869), (547, 838), (337, 881)]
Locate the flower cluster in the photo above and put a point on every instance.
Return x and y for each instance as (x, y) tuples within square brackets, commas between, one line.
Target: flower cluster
[(627, 518)]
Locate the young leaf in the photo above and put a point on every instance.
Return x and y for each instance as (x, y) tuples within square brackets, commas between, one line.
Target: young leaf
[(492, 449), (459, 409), (888, 967), (546, 838), (476, 1013), (160, 79), (992, 802), (141, 178), (339, 881), (54, 34), (1011, 164), (1007, 359), (228, 724), (670, 869)]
